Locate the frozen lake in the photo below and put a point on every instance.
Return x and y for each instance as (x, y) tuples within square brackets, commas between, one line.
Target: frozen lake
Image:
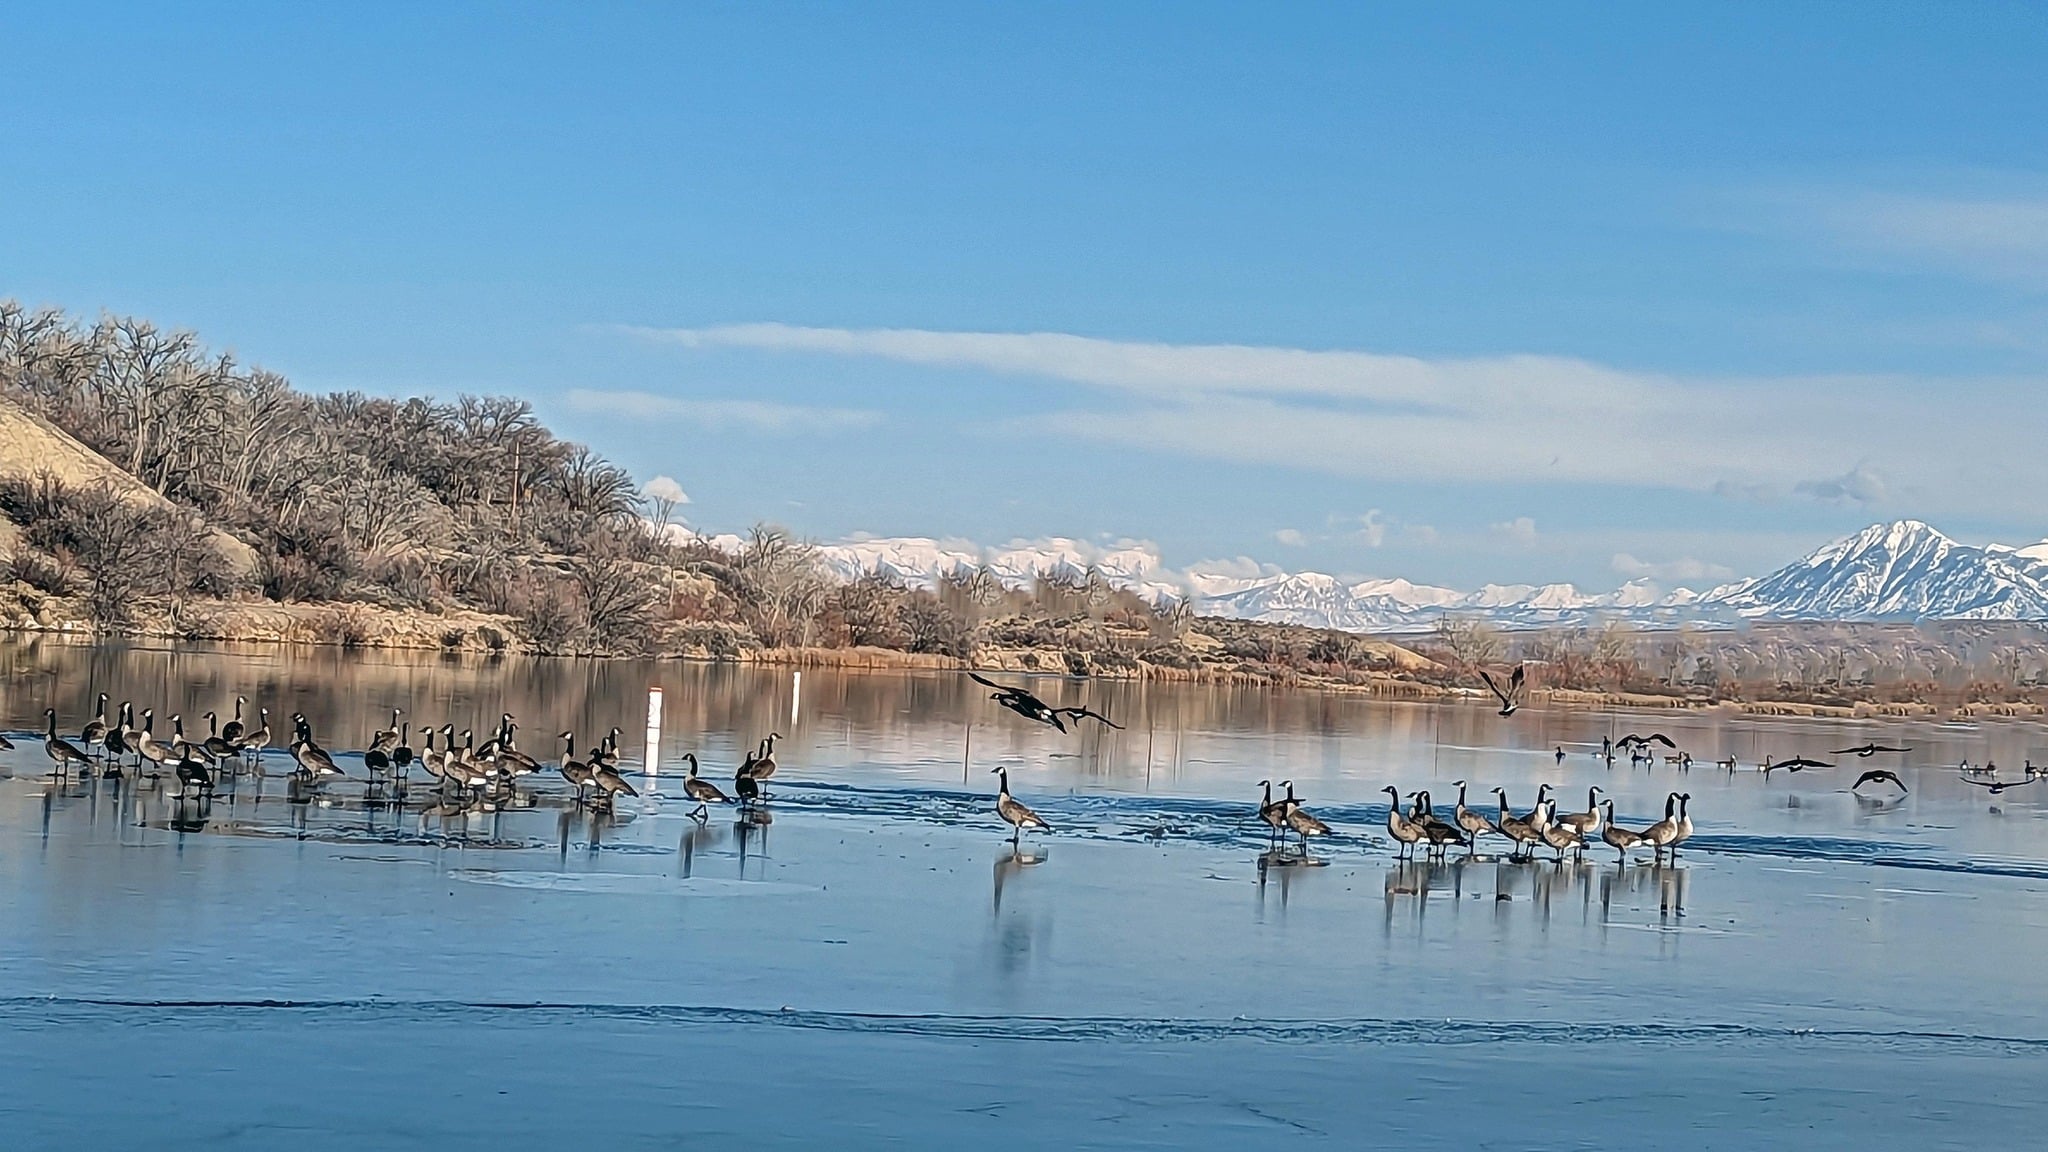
[(876, 967)]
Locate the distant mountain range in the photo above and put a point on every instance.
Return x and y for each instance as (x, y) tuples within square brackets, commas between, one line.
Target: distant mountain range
[(1904, 570)]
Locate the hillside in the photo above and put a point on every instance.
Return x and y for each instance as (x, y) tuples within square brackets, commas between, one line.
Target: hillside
[(149, 487)]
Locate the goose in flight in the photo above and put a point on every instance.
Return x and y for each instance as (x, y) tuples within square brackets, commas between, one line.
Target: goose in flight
[(1632, 740), (1031, 707), (1795, 764), (1511, 698), (1997, 786), (1866, 751), (1879, 776)]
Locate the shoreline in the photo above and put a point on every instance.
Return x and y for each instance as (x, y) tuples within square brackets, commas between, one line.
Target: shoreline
[(424, 634)]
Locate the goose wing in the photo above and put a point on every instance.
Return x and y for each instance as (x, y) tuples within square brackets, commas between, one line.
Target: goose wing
[(1088, 714), (1505, 699)]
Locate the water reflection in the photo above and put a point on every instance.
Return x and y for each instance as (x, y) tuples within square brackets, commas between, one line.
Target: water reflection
[(1012, 862)]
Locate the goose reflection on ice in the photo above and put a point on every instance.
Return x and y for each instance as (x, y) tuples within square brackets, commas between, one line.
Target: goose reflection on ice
[(1010, 864), (1631, 883)]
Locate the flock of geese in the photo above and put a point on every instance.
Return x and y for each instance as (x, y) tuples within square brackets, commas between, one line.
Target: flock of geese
[(460, 767), (481, 773)]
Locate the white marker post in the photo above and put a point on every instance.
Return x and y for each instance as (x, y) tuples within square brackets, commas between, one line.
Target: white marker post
[(796, 695), (653, 731)]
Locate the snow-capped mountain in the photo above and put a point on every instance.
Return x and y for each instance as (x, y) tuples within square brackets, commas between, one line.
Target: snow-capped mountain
[(1321, 601), (1900, 571)]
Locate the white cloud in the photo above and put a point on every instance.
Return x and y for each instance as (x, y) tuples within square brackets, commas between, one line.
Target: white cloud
[(1372, 529), (1421, 534), (756, 415), (665, 488), (1859, 485), (1518, 419), (1239, 567), (1521, 531), (1291, 537), (1999, 238), (1686, 568)]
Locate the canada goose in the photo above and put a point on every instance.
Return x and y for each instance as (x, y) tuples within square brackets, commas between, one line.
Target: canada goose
[(1511, 697), (1585, 823), (764, 764), (607, 753), (1660, 835), (1866, 751), (1996, 787), (1475, 824), (466, 774), (314, 761), (145, 743), (1879, 776), (1616, 837), (121, 738), (193, 773), (430, 757), (1272, 815), (1439, 834), (232, 730), (1539, 817), (182, 747), (1031, 707), (609, 782), (573, 770), (94, 734), (1018, 816), (1516, 828), (1795, 764), (216, 747), (385, 739), (1404, 831), (703, 791), (1298, 819), (6, 745), (403, 754), (1684, 823), (1634, 741), (1561, 836), (63, 753), (256, 743)]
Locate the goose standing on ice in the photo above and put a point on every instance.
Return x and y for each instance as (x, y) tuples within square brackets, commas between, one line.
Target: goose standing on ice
[(1474, 823), (1404, 831), (1298, 819), (1660, 835), (1684, 823), (62, 753), (1520, 833), (703, 791), (1585, 823), (1018, 816), (232, 730), (1616, 837), (1272, 814), (94, 734)]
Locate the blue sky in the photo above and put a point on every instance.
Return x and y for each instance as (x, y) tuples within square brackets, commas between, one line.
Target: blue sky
[(1458, 293)]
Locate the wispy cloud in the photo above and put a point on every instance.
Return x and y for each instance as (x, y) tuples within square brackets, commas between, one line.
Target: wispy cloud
[(1521, 531), (1519, 419), (1859, 485), (756, 415), (1997, 238), (1292, 537), (1685, 568)]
